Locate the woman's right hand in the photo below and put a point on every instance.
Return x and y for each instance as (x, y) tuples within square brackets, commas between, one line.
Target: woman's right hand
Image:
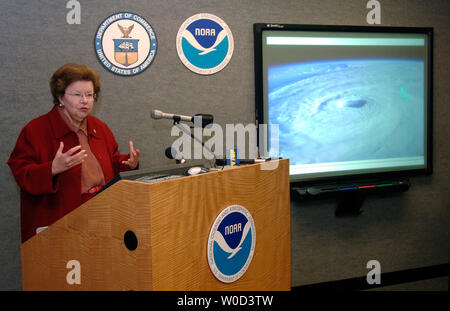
[(64, 161)]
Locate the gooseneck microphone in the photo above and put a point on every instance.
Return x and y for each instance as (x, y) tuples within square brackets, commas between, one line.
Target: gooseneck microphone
[(205, 118), (172, 153)]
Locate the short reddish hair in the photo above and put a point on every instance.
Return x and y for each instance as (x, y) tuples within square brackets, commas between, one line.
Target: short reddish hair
[(70, 73)]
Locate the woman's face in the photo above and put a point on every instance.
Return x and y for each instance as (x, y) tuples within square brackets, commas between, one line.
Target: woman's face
[(78, 100)]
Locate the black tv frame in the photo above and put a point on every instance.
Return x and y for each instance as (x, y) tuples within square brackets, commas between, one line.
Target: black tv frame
[(330, 185)]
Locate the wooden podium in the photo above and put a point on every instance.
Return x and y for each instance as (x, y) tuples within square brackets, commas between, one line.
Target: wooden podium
[(171, 220)]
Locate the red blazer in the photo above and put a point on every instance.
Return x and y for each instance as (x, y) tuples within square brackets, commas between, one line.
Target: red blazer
[(44, 198)]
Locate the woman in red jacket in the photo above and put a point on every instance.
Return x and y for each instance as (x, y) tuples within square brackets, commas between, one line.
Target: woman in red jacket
[(63, 158)]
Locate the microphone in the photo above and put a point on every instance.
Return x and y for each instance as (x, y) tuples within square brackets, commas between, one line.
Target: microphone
[(172, 153), (206, 118), (158, 114)]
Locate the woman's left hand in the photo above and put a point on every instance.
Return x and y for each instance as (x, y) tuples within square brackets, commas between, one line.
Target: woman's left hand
[(133, 161)]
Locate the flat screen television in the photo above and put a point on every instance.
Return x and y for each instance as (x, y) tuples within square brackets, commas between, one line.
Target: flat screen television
[(350, 102)]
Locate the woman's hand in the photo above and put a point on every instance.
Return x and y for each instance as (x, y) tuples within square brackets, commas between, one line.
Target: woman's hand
[(133, 161), (64, 161)]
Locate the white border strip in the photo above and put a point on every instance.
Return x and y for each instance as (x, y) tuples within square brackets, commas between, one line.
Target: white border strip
[(345, 41)]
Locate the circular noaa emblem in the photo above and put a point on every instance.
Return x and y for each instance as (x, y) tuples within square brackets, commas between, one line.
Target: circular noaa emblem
[(125, 44), (231, 243), (205, 43)]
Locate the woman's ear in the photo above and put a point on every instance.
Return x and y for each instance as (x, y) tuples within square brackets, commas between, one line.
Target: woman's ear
[(61, 103)]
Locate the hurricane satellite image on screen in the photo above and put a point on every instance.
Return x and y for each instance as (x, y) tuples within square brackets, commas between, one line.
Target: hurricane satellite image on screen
[(348, 109)]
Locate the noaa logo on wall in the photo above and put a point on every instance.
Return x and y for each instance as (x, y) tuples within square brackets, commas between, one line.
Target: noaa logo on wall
[(205, 43), (231, 243), (125, 44)]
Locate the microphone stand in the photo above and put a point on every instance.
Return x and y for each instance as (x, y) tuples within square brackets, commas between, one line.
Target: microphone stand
[(212, 162)]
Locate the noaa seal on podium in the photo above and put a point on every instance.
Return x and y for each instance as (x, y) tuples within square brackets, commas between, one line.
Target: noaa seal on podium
[(231, 243)]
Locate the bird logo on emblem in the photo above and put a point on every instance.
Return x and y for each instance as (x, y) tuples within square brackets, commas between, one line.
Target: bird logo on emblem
[(125, 30)]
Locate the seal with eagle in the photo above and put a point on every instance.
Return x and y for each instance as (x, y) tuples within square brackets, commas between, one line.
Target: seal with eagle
[(126, 30)]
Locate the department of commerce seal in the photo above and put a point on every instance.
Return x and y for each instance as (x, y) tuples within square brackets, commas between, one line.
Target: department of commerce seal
[(205, 43), (231, 243), (125, 44)]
